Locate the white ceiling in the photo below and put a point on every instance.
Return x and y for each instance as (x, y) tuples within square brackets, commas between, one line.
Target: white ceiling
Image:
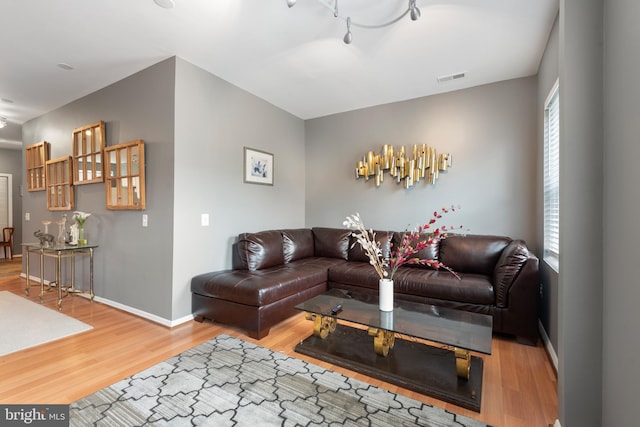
[(292, 57)]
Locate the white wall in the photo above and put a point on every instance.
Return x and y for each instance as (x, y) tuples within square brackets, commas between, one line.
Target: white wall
[(490, 131), (214, 121)]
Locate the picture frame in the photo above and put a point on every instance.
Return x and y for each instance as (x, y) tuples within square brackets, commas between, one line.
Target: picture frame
[(258, 167)]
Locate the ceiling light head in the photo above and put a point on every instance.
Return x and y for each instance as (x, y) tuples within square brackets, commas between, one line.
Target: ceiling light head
[(415, 12), (167, 4), (291, 3), (3, 122), (348, 37)]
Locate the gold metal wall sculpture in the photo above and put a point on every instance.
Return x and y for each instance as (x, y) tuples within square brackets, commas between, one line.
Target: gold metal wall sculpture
[(421, 164)]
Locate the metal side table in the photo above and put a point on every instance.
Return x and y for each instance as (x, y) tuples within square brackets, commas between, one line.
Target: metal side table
[(59, 252)]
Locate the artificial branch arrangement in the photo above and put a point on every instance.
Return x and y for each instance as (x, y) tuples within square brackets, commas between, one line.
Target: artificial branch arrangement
[(411, 243)]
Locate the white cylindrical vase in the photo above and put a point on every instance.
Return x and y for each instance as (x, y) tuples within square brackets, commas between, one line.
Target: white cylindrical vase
[(386, 294)]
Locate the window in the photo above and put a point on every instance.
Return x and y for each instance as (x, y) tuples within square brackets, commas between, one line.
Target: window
[(552, 179)]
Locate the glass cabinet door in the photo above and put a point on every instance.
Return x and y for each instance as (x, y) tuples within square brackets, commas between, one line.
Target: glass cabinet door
[(59, 184), (124, 183), (36, 157), (88, 146)]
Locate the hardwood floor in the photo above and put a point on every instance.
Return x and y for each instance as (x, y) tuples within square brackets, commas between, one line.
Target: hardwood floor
[(520, 385)]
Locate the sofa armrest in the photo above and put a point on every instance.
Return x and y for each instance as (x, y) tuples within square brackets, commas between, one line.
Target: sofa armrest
[(507, 270), (520, 317)]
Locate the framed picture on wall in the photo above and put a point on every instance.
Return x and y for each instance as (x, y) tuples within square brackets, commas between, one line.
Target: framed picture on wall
[(258, 167)]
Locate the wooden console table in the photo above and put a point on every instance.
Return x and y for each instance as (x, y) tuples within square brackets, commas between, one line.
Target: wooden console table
[(59, 252)]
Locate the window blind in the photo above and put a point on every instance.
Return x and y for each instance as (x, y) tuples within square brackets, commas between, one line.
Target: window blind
[(552, 179)]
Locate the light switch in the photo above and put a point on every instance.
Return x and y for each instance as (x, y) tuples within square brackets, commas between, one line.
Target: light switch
[(145, 220), (204, 219)]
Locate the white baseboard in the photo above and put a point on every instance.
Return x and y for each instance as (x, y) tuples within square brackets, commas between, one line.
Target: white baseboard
[(550, 350), (145, 315), (552, 354)]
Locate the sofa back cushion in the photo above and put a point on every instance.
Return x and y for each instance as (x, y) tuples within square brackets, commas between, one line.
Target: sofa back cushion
[(260, 250), (472, 253), (297, 244), (356, 253), (331, 242), (428, 253)]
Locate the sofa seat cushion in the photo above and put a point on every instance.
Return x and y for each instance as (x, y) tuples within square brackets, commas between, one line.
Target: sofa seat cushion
[(262, 287), (360, 274), (442, 285), (436, 284)]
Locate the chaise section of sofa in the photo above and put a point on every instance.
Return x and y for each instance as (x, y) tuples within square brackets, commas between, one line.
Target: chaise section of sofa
[(275, 270), (272, 272)]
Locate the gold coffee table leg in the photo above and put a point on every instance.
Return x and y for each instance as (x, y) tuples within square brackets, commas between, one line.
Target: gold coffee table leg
[(463, 363), (322, 325), (382, 340)]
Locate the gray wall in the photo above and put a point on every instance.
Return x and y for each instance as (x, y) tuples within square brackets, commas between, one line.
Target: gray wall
[(580, 287), (11, 163), (490, 131), (195, 126), (133, 265), (547, 76), (214, 121), (621, 317)]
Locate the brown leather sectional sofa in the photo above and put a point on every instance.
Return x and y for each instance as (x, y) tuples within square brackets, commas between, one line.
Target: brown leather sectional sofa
[(277, 269)]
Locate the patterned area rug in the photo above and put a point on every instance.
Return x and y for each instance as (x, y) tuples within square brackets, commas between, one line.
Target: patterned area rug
[(230, 382)]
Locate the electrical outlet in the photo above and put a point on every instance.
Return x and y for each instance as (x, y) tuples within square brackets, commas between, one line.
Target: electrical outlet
[(27, 216), (145, 220)]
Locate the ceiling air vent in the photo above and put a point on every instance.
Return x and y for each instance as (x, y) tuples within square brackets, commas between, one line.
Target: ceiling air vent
[(449, 77)]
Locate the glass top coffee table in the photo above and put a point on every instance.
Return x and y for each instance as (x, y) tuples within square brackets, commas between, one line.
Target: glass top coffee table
[(407, 361)]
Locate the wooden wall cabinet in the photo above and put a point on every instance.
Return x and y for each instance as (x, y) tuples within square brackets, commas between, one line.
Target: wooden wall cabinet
[(36, 157), (88, 146), (59, 184), (124, 183)]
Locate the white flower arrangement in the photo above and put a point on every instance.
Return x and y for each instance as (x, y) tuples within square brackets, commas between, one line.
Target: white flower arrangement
[(80, 217)]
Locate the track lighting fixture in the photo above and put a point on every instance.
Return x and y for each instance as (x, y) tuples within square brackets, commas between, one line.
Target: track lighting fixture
[(412, 10)]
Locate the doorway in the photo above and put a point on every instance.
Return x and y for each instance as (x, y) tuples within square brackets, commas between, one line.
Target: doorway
[(6, 202)]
